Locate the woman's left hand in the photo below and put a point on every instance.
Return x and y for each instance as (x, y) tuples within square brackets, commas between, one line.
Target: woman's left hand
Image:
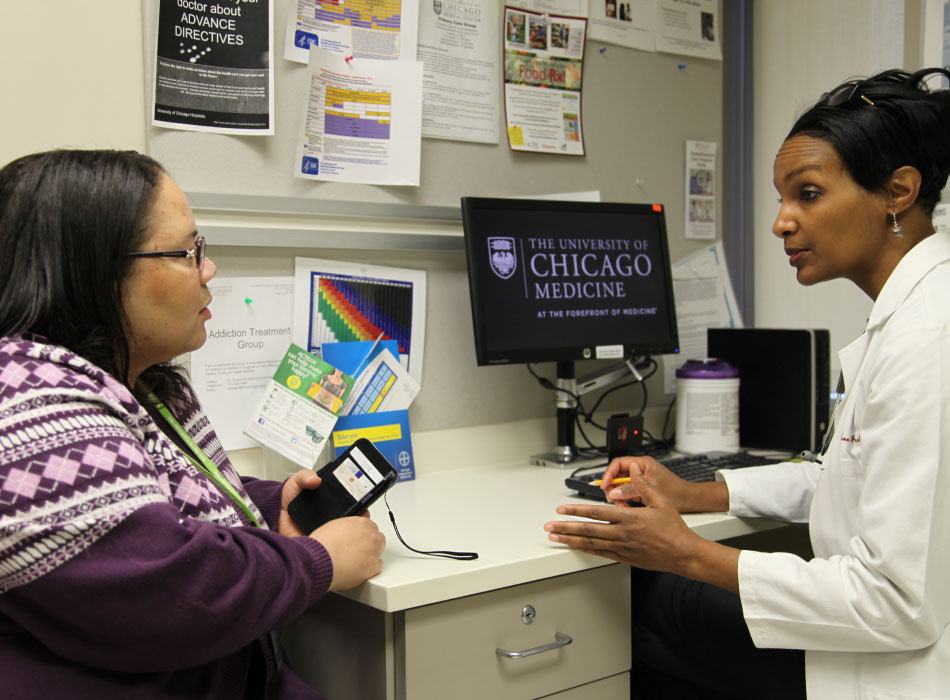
[(653, 537), (303, 479)]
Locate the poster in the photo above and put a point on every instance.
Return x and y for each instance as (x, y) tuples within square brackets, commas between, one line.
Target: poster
[(212, 70), (338, 302), (544, 66), (627, 23), (362, 121), (248, 333), (689, 27), (458, 49), (701, 190), (379, 29)]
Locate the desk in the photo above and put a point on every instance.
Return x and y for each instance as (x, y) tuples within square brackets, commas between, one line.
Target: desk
[(428, 627)]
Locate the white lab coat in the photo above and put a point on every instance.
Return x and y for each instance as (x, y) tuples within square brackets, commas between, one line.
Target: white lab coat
[(872, 608)]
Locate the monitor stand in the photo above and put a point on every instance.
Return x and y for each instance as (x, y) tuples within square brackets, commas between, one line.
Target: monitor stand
[(565, 455)]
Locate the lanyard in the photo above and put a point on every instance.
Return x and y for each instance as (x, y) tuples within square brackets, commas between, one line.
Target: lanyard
[(202, 463)]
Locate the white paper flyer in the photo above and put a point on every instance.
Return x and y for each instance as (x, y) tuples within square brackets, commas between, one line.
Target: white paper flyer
[(623, 22), (704, 299), (458, 49), (247, 335), (689, 28), (701, 190), (362, 121)]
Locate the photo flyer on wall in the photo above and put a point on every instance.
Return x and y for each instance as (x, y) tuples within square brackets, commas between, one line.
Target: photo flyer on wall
[(544, 67), (701, 190), (337, 301), (388, 431), (689, 28), (376, 29), (247, 337), (300, 406), (458, 48), (361, 121), (212, 67), (627, 23)]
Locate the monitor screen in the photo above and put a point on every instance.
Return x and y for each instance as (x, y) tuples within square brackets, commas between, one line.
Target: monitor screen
[(558, 281)]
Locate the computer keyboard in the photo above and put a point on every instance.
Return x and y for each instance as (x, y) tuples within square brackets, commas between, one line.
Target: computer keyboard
[(700, 467)]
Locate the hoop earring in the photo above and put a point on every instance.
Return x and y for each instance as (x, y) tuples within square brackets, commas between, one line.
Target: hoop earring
[(897, 231)]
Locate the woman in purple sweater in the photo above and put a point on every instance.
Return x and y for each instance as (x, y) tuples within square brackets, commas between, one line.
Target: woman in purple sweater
[(134, 561)]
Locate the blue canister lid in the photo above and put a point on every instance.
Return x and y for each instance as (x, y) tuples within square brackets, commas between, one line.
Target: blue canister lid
[(710, 368)]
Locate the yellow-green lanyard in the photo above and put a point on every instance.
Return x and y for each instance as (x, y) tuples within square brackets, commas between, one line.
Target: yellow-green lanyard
[(203, 463)]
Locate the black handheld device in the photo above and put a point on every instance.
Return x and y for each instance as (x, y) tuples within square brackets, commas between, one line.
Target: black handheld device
[(350, 484)]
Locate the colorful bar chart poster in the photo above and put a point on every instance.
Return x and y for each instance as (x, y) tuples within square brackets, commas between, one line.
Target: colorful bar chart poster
[(362, 121), (377, 29), (338, 302)]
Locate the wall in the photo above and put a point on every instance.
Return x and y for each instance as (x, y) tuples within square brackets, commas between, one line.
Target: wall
[(802, 49), (90, 92), (72, 75)]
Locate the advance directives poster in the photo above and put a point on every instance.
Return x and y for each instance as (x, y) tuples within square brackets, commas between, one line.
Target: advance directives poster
[(212, 69)]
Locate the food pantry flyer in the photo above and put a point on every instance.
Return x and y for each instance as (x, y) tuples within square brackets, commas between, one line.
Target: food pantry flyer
[(300, 406)]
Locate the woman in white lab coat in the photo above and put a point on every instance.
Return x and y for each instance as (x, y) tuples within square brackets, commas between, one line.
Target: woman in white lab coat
[(858, 176)]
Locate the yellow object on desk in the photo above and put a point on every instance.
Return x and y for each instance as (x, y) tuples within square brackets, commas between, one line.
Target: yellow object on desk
[(618, 480)]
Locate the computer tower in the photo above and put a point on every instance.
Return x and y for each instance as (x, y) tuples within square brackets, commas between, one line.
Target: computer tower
[(784, 389)]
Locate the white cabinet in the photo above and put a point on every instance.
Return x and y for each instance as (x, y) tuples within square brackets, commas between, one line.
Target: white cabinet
[(347, 650)]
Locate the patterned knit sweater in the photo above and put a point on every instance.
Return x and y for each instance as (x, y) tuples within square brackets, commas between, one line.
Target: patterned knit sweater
[(124, 571)]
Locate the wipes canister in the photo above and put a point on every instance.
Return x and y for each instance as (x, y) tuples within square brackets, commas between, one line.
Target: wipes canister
[(707, 407)]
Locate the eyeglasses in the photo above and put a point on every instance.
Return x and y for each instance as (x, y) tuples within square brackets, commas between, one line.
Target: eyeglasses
[(198, 253), (844, 94)]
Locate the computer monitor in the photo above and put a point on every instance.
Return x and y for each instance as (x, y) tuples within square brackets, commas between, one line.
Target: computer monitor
[(564, 281), (557, 281)]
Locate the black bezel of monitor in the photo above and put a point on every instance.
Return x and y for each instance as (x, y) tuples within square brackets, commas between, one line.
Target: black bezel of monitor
[(471, 206)]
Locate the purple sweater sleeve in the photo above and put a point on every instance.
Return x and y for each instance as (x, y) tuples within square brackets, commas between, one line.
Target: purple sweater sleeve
[(266, 496), (161, 592)]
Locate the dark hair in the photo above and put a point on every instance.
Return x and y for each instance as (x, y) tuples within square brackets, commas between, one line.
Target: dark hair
[(907, 124), (68, 220)]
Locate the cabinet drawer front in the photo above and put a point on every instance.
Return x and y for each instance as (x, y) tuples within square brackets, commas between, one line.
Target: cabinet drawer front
[(449, 648)]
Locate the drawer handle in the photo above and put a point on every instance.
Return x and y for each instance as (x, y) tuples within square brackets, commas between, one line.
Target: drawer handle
[(560, 640)]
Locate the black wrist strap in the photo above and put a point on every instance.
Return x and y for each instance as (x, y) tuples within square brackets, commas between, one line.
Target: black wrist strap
[(462, 556)]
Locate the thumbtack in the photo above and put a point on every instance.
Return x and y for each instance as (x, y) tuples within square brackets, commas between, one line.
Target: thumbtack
[(348, 58), (681, 66), (602, 50), (248, 300)]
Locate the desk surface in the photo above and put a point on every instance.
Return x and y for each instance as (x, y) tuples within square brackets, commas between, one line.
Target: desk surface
[(498, 512)]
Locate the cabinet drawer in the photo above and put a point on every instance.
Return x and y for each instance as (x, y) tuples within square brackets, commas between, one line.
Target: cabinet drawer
[(448, 649)]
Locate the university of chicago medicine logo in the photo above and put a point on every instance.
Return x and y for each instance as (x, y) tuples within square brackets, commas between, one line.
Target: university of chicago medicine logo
[(501, 253)]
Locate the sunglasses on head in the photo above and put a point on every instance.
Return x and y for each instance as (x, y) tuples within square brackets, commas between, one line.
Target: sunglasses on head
[(844, 94)]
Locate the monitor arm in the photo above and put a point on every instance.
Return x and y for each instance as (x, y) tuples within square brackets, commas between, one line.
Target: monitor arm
[(567, 388)]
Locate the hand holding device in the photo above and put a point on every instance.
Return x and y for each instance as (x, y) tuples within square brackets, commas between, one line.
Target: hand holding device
[(349, 485)]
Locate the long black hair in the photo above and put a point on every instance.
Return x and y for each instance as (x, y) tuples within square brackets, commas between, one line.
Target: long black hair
[(884, 122), (68, 220)]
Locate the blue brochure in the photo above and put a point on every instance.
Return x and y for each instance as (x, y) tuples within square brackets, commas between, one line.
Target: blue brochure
[(388, 430), (352, 357)]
